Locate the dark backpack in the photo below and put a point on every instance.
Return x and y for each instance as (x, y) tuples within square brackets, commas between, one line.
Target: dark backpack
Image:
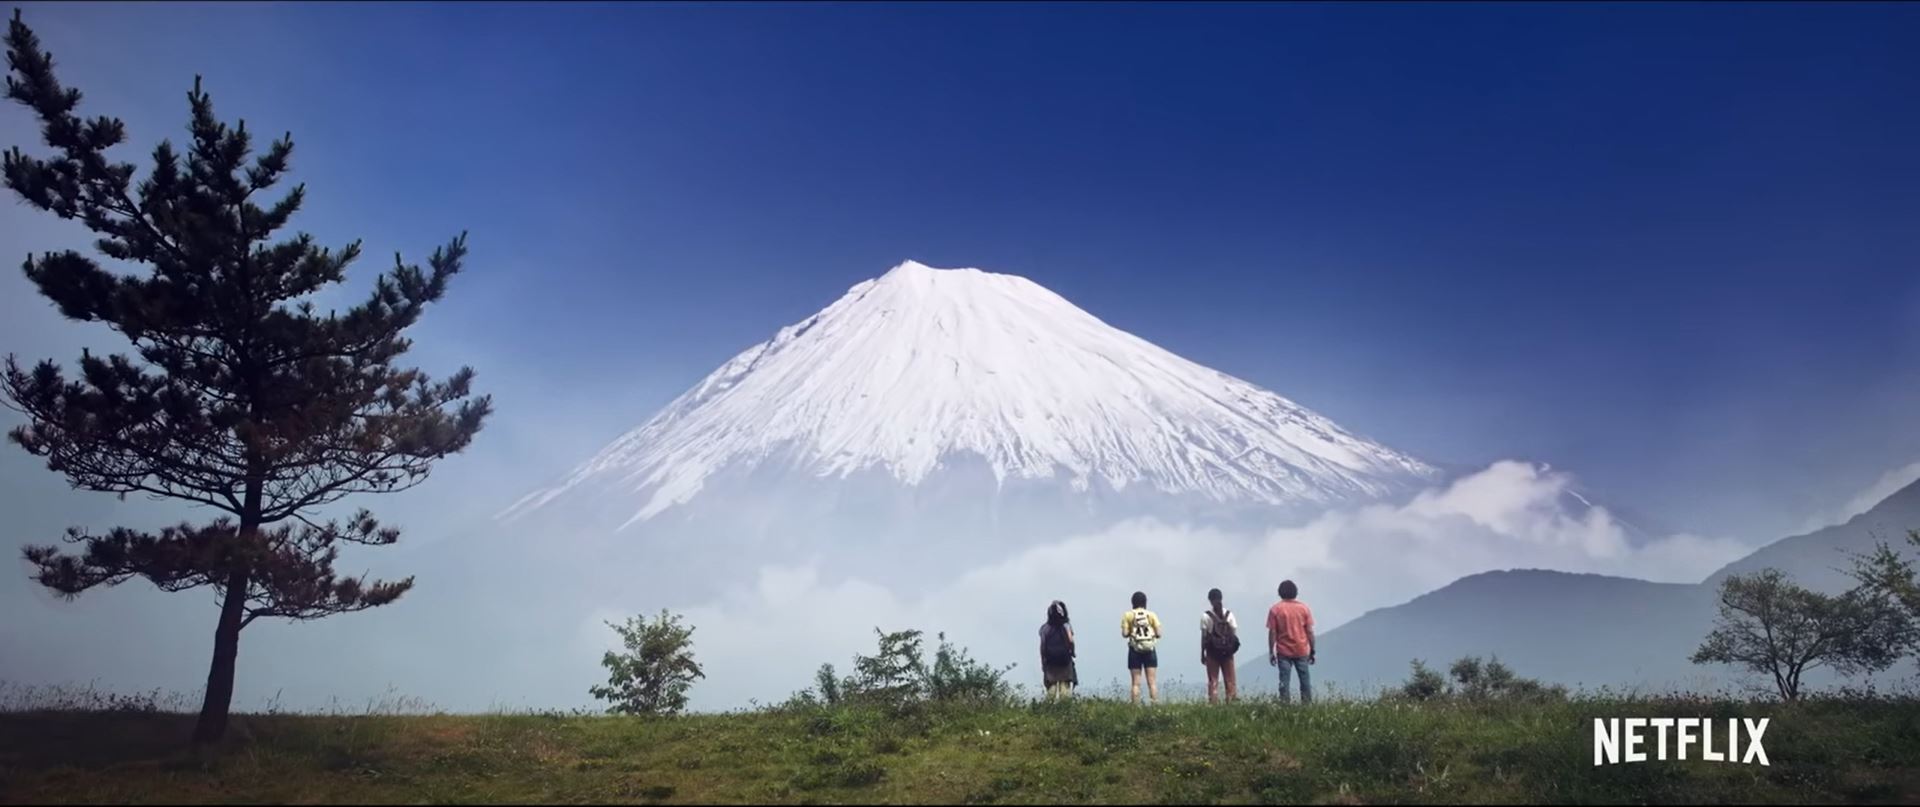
[(1222, 640), (1055, 648)]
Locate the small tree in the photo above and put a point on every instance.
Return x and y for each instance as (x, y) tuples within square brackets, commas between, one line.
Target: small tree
[(956, 676), (828, 683), (898, 675), (1887, 572), (655, 670), (894, 674), (1493, 680), (1770, 625), (239, 397), (1471, 677), (1475, 680), (1423, 684)]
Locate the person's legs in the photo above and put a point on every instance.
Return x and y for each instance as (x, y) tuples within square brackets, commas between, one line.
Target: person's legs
[(1285, 666), (1298, 665), (1213, 679), (1230, 676), (1153, 682), (1134, 675)]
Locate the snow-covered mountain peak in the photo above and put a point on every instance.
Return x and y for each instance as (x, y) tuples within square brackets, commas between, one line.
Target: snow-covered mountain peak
[(915, 282), (922, 366), (913, 267)]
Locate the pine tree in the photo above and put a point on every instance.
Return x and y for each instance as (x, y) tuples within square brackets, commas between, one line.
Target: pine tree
[(241, 398)]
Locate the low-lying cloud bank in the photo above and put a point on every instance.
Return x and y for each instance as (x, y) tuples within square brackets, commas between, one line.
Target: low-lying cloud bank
[(471, 638), (762, 641)]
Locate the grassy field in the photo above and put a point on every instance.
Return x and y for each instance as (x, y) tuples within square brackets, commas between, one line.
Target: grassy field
[(1085, 751)]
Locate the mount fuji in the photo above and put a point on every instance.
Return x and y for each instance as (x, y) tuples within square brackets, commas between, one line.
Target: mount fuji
[(970, 390), (928, 427)]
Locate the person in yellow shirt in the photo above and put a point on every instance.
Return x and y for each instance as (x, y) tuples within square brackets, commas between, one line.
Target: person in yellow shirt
[(1141, 628)]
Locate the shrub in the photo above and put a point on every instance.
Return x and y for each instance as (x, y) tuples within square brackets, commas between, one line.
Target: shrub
[(828, 684), (1424, 684), (894, 674), (957, 676), (898, 676), (653, 674), (1475, 681)]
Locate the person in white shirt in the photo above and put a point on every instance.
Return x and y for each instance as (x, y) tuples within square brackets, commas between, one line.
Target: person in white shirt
[(1219, 640)]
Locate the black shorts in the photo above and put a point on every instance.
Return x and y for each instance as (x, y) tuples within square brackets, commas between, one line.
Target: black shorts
[(1137, 660)]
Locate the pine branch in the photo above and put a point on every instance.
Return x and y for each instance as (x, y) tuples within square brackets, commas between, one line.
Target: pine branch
[(254, 404)]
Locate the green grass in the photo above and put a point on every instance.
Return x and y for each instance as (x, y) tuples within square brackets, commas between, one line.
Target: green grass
[(1084, 751)]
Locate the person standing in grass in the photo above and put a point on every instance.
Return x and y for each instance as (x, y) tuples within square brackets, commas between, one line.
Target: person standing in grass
[(1290, 639), (1141, 628), (1219, 640), (1056, 653)]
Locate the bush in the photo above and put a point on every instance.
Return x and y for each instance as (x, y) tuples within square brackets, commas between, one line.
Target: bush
[(653, 674), (1424, 684), (1477, 682), (957, 676), (829, 685), (897, 676)]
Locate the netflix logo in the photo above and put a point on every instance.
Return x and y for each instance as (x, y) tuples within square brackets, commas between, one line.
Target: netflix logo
[(1639, 739)]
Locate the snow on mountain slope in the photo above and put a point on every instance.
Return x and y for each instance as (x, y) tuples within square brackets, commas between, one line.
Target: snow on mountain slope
[(923, 365)]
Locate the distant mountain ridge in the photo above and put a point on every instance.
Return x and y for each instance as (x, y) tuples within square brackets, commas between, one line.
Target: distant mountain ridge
[(1819, 559), (1585, 629)]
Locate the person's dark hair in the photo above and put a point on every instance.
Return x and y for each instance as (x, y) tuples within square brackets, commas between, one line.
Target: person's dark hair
[(1214, 596), (1057, 613), (1288, 590), (1139, 599)]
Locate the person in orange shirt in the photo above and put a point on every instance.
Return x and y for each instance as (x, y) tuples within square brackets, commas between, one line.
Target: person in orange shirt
[(1290, 640)]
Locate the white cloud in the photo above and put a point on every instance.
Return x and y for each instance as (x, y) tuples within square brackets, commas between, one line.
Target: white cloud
[(1888, 484), (763, 641)]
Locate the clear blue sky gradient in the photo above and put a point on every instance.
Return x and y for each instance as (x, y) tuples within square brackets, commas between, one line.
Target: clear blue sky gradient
[(1674, 249)]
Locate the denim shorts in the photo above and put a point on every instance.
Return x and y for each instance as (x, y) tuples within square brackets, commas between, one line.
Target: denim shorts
[(1137, 660)]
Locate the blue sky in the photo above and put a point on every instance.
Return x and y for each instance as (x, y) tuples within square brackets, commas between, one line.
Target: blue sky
[(1671, 249)]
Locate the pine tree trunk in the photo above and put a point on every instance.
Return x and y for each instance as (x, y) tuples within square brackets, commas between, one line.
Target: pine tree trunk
[(226, 637), (226, 648)]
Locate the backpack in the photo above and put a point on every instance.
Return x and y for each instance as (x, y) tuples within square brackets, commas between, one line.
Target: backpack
[(1222, 640), (1140, 634), (1055, 648)]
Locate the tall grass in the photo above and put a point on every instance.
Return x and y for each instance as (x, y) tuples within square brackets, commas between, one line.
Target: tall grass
[(1844, 747), (88, 697), (16, 698)]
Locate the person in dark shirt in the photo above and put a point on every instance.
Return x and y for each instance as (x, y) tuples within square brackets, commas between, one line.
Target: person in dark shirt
[(1056, 653)]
